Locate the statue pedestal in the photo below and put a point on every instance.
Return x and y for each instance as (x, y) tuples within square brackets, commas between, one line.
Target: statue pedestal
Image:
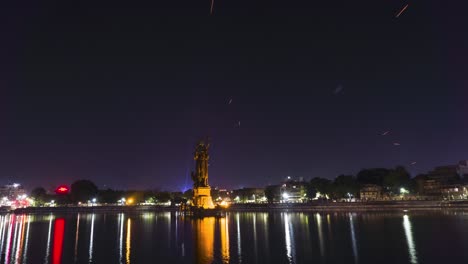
[(202, 197)]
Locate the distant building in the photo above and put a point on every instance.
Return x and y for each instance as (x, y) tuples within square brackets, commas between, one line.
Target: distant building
[(432, 187), (462, 169), (294, 191), (370, 192), (441, 176), (248, 195), (12, 191), (455, 192)]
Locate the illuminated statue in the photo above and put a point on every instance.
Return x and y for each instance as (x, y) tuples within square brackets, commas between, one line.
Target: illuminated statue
[(201, 188), (201, 157)]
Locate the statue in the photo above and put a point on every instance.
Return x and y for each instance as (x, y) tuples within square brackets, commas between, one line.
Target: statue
[(201, 188), (201, 157)]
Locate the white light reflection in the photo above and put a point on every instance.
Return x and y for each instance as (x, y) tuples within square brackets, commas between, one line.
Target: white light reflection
[(25, 254), (409, 239), (353, 238), (239, 249), (91, 239), (7, 246), (46, 258), (76, 236), (2, 231), (121, 224), (320, 234), (289, 238), (19, 243), (15, 237), (8, 237)]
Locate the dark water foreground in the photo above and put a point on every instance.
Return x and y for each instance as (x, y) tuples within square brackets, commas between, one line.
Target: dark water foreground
[(275, 237)]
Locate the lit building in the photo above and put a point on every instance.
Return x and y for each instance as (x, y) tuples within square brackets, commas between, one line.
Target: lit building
[(370, 192), (248, 195), (294, 191), (455, 192), (12, 191), (440, 177)]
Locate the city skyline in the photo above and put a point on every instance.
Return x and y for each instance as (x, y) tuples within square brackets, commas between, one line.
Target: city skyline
[(120, 93)]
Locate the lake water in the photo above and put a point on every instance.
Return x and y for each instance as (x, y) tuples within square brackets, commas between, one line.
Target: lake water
[(168, 237)]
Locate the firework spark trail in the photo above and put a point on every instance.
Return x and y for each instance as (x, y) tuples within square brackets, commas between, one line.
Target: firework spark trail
[(401, 11), (212, 7)]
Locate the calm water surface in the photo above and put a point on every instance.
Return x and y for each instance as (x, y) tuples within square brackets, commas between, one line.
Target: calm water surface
[(237, 238)]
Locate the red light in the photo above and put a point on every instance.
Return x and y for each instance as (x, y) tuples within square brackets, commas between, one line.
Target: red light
[(62, 190), (57, 246)]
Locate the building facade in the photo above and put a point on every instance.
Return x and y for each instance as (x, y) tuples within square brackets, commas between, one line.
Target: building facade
[(370, 192)]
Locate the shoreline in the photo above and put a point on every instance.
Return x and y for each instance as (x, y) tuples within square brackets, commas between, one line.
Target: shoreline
[(308, 207)]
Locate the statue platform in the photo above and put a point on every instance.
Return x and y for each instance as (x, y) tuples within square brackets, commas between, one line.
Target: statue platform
[(202, 198)]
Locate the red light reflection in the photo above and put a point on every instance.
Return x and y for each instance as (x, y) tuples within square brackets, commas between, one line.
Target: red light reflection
[(59, 228)]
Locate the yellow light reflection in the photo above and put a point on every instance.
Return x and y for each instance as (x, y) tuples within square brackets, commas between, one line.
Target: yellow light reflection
[(224, 226), (129, 233), (19, 246), (410, 240), (320, 234), (204, 240)]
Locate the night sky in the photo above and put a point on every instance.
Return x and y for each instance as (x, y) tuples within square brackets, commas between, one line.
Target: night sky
[(119, 92)]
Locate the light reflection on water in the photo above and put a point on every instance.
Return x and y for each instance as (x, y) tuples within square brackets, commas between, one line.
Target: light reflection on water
[(234, 238), (76, 237), (353, 238), (128, 240), (410, 240), (320, 234), (91, 239), (289, 238)]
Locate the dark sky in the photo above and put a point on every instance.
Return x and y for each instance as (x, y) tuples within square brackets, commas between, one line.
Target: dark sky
[(119, 92)]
